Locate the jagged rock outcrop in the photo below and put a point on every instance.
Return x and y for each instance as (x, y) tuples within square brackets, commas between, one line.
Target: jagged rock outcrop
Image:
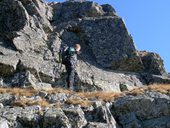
[(56, 114), (24, 24), (144, 111), (32, 32), (105, 36), (152, 62)]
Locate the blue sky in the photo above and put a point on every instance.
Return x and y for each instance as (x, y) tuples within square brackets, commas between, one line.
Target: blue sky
[(148, 21)]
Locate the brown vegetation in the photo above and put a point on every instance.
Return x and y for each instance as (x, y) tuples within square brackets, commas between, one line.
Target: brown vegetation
[(105, 96), (29, 102), (19, 91), (59, 90), (85, 99), (162, 88), (76, 101), (165, 88), (136, 91)]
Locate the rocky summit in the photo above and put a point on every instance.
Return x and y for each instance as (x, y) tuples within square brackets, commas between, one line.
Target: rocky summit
[(31, 35)]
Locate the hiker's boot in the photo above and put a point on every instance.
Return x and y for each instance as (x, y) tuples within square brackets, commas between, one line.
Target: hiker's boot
[(71, 88)]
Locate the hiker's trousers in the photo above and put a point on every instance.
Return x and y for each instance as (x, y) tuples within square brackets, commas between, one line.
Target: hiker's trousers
[(70, 76)]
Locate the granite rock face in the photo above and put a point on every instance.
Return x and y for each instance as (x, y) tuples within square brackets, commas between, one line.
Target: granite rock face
[(105, 36), (152, 62), (32, 32), (143, 111)]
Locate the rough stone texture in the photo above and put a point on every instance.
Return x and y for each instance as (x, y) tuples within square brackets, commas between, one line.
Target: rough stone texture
[(163, 122), (97, 125), (151, 79), (76, 117), (23, 30), (18, 117), (57, 97), (6, 99), (101, 114), (3, 123), (71, 10), (32, 32), (8, 62), (92, 78), (104, 40), (108, 9), (152, 63), (105, 37), (129, 121), (57, 119), (20, 24), (112, 48), (143, 111)]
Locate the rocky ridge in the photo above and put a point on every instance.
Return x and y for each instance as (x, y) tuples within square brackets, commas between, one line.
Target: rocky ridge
[(31, 34)]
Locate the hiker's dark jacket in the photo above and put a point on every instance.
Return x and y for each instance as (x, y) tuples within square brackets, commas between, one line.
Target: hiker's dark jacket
[(70, 60)]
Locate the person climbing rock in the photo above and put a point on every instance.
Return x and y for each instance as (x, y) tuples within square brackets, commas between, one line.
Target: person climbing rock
[(68, 57)]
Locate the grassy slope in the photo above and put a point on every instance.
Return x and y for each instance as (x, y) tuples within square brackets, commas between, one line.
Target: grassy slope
[(82, 98)]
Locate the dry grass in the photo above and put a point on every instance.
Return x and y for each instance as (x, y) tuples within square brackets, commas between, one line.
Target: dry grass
[(31, 91), (105, 96), (18, 103), (162, 88), (59, 90), (76, 101), (28, 102), (86, 97), (57, 105), (19, 91), (136, 91)]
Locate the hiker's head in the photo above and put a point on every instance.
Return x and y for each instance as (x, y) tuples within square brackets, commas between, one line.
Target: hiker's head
[(77, 47)]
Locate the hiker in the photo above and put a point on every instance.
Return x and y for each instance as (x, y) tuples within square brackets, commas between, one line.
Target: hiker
[(69, 59)]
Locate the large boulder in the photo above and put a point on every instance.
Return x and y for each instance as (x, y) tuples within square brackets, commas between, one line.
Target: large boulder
[(76, 117), (158, 79), (19, 117), (57, 119), (152, 62), (102, 115), (24, 24), (71, 10), (90, 78), (8, 62), (105, 38), (7, 67), (144, 110), (110, 43)]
